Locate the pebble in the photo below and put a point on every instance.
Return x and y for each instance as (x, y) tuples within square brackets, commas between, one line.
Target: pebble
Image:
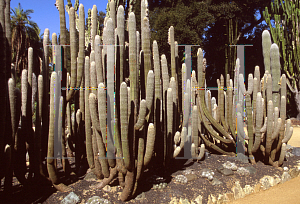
[(224, 171), (243, 171), (97, 200), (71, 198), (296, 151), (216, 182), (285, 177), (180, 179)]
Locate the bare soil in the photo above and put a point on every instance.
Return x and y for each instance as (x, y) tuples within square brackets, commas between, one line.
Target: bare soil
[(289, 192)]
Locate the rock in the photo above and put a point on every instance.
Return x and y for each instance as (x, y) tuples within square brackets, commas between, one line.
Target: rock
[(296, 151), (269, 181), (198, 199), (205, 173), (98, 200), (288, 146), (180, 179), (216, 182), (141, 196), (257, 188), (159, 186), (237, 190), (288, 154), (277, 180), (285, 177), (155, 179), (188, 171), (251, 169), (191, 177), (184, 201), (243, 171), (71, 198), (90, 177), (248, 189), (294, 172), (207, 154), (225, 171), (230, 165), (242, 158), (229, 197), (173, 201), (210, 177), (211, 199), (285, 168), (221, 199), (106, 188)]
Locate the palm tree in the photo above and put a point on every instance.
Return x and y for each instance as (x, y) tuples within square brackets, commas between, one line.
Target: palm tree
[(25, 34)]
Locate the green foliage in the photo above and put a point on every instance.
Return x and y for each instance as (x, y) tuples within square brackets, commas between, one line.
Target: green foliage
[(189, 20), (282, 18), (25, 33)]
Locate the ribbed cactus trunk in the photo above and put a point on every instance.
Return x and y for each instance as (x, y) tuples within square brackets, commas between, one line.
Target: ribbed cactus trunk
[(45, 74), (3, 84), (30, 138)]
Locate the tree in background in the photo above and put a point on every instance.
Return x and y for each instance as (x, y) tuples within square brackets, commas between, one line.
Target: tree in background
[(25, 33), (213, 25), (235, 22), (189, 19), (282, 18)]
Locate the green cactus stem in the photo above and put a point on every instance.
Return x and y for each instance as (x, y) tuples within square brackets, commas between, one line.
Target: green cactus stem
[(102, 119), (150, 144), (258, 122), (142, 115), (93, 75), (140, 156), (266, 45), (73, 54), (177, 138), (288, 132), (133, 57), (195, 128), (146, 46), (150, 89), (282, 154), (98, 61), (50, 156), (94, 26), (250, 124), (81, 54), (88, 133), (170, 118), (201, 153), (124, 124), (275, 70), (102, 110), (121, 40)]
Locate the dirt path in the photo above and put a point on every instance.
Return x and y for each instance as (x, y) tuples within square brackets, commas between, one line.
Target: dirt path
[(288, 192)]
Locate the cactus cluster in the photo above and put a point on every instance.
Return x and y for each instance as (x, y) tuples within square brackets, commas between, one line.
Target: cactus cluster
[(130, 112), (267, 130)]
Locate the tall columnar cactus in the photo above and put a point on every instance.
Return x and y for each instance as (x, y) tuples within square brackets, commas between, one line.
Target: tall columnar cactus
[(275, 71), (88, 134), (132, 57), (145, 39), (93, 26), (266, 45), (73, 54), (121, 40), (50, 156)]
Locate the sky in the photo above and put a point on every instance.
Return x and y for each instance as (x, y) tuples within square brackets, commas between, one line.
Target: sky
[(46, 14)]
